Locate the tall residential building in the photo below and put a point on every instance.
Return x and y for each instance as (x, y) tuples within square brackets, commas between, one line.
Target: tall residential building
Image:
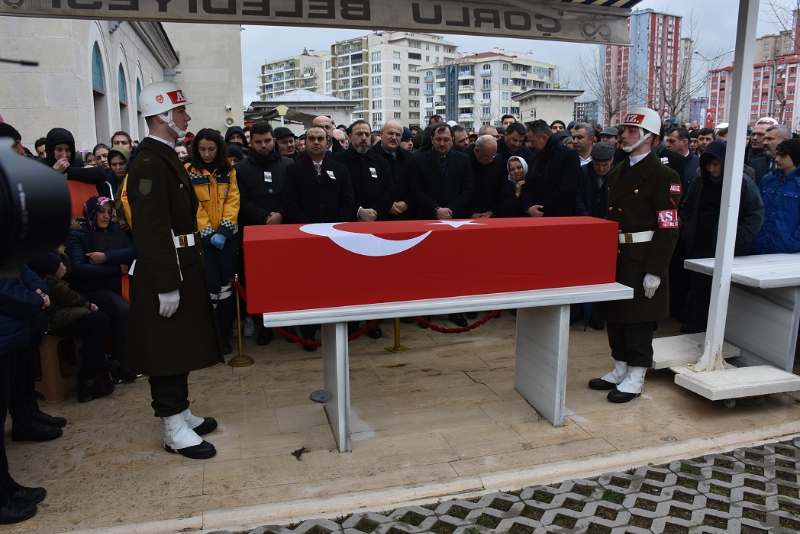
[(380, 71), (587, 111), (281, 76), (647, 71), (718, 98), (698, 107), (477, 89)]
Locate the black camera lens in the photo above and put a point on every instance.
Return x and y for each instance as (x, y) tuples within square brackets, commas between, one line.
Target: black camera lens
[(34, 210)]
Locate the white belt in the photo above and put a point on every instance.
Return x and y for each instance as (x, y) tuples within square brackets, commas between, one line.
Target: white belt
[(183, 241), (638, 237)]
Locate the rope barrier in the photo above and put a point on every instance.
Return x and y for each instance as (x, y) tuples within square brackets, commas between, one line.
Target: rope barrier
[(443, 330), (309, 343)]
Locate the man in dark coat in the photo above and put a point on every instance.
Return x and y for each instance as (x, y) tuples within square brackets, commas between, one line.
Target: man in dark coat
[(513, 144), (318, 190), (441, 182), (591, 195), (489, 179), (400, 163), (699, 216), (643, 197), (285, 141), (171, 312), (549, 189)]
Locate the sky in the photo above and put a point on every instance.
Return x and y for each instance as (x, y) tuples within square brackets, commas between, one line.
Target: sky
[(267, 43)]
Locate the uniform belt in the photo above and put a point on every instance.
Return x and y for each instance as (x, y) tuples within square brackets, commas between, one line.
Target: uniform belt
[(186, 240), (637, 237)]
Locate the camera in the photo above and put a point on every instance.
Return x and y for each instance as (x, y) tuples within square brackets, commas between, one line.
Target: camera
[(228, 108), (35, 209)]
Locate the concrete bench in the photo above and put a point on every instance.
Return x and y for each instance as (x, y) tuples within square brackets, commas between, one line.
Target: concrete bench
[(540, 374)]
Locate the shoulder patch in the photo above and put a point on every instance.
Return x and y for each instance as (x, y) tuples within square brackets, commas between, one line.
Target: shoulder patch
[(145, 186), (675, 188)]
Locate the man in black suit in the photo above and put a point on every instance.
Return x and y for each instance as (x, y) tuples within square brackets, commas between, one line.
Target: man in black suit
[(317, 190), (399, 159), (514, 144), (552, 180), (441, 183), (489, 178)]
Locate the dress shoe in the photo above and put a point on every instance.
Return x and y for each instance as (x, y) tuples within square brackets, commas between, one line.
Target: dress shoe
[(472, 315), (620, 397), (601, 385), (375, 332), (458, 319), (290, 330), (406, 320), (309, 348), (30, 430), (45, 419), (248, 327), (427, 318), (180, 439), (119, 373), (264, 336), (595, 323), (95, 388), (29, 495), (200, 425), (15, 511)]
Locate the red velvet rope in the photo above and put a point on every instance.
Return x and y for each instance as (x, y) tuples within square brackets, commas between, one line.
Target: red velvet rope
[(460, 329), (309, 343)]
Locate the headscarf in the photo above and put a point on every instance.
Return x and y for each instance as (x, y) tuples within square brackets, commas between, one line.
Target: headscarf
[(524, 167), (91, 208)]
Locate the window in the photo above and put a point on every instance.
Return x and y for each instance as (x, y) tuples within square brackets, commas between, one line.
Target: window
[(378, 116), (376, 68), (505, 66), (505, 110), (487, 111), (427, 47), (395, 79), (397, 103), (413, 80), (427, 59), (505, 81), (396, 66), (504, 96), (396, 90), (413, 92), (437, 48), (377, 104), (376, 80), (487, 95), (412, 55), (327, 75), (376, 93), (376, 56), (398, 115), (396, 55), (415, 103), (487, 83), (98, 83), (122, 88), (328, 87), (328, 64)]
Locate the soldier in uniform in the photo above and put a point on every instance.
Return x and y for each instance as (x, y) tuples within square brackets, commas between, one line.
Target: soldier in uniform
[(172, 318), (643, 197)]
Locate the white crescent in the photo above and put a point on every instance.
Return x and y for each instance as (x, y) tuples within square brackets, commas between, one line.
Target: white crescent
[(362, 244)]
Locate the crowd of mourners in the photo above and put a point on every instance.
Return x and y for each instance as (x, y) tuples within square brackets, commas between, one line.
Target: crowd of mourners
[(260, 175)]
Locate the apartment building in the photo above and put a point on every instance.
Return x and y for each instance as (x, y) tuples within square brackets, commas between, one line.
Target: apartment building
[(381, 71), (477, 89), (281, 76)]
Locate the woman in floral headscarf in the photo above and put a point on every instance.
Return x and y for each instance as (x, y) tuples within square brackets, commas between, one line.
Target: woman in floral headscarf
[(100, 254)]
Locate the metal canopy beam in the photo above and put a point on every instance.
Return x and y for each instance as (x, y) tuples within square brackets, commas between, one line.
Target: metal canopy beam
[(601, 22)]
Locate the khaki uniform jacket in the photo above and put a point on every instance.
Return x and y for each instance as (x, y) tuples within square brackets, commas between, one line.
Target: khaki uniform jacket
[(162, 201), (641, 198)]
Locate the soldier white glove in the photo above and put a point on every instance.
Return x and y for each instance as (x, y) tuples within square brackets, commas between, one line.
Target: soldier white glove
[(168, 303), (651, 283)]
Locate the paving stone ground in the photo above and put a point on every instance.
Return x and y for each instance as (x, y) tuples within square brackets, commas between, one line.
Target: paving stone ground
[(747, 490)]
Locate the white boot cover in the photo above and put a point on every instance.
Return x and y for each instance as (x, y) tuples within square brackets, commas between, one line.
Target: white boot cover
[(616, 376), (634, 380), (177, 434), (191, 420)]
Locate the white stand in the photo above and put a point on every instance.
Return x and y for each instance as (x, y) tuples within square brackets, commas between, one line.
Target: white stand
[(336, 371)]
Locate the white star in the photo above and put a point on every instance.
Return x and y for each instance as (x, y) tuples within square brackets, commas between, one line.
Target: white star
[(458, 224)]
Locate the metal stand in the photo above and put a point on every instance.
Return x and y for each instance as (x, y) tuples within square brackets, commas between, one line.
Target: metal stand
[(241, 359), (397, 346)]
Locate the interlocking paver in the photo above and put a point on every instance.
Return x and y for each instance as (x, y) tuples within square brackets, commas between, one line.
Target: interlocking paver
[(754, 489)]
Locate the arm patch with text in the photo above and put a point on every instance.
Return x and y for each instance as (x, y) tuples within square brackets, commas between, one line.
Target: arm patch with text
[(668, 219)]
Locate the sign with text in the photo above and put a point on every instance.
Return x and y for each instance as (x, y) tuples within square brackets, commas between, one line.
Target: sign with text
[(544, 19)]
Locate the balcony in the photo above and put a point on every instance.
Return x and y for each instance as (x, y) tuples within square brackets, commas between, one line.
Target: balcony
[(462, 88), (485, 116), (427, 92), (440, 90), (519, 74), (486, 72), (441, 75), (466, 74), (466, 102), (441, 105), (427, 105), (428, 79), (486, 100), (462, 116)]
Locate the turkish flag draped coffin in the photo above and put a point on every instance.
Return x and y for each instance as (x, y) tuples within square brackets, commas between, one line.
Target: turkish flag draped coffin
[(298, 267)]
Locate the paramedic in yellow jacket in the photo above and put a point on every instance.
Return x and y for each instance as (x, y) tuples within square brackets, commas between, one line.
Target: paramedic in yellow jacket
[(214, 182)]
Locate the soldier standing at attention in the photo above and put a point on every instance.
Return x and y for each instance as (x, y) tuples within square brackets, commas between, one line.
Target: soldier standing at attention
[(172, 318), (643, 197)]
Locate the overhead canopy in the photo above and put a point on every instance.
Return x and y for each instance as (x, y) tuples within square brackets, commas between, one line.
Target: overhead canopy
[(598, 21)]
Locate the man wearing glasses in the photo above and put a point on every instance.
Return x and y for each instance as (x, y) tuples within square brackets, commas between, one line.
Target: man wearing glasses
[(756, 148)]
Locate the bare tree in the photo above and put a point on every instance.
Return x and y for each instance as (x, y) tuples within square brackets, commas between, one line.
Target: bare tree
[(612, 96), (783, 15)]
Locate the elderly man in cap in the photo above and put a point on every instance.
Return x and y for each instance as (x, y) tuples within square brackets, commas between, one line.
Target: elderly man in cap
[(285, 139), (609, 135)]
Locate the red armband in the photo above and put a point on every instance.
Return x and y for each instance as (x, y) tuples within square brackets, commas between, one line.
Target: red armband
[(668, 218)]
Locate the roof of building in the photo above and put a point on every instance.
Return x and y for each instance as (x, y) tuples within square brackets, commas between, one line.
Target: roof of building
[(303, 95)]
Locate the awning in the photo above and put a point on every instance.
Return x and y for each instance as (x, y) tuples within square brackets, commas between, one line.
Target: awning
[(271, 114), (598, 21)]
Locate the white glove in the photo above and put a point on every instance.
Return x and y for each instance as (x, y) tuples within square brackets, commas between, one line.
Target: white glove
[(168, 303), (651, 283)]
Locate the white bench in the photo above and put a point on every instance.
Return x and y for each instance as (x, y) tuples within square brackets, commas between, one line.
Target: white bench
[(540, 374)]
